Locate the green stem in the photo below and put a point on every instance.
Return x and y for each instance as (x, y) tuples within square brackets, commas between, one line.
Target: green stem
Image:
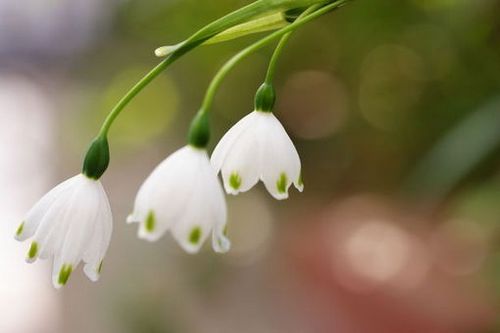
[(229, 65), (239, 16), (271, 70), (131, 94)]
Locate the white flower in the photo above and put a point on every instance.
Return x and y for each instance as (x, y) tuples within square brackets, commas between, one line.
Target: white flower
[(183, 195), (72, 222), (258, 147)]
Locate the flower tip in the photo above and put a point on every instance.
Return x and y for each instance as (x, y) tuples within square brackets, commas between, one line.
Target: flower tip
[(64, 275), (32, 253), (190, 249), (232, 185), (19, 232), (222, 246), (165, 51), (280, 196), (231, 191), (93, 272), (299, 187), (148, 236), (132, 219)]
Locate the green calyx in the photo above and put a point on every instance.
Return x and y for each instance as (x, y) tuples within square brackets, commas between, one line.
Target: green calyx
[(97, 158), (199, 132), (265, 98)]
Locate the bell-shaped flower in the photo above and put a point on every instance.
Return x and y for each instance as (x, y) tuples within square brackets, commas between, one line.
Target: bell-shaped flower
[(258, 147), (71, 223), (183, 195)]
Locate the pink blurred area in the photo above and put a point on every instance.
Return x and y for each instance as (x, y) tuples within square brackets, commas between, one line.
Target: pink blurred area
[(366, 264)]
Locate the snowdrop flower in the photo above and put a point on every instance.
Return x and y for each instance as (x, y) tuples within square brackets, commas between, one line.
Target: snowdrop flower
[(71, 223), (258, 147), (183, 195)]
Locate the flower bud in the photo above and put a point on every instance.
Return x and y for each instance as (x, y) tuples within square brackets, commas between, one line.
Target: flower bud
[(199, 132), (265, 98), (97, 159)]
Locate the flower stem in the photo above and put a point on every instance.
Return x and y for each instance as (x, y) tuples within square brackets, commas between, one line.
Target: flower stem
[(234, 18), (271, 70), (131, 94), (229, 65)]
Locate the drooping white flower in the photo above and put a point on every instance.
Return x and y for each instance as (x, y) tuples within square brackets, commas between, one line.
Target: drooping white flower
[(71, 223), (183, 195), (258, 147)]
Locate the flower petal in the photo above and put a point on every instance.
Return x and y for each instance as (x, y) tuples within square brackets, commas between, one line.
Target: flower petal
[(99, 244), (280, 162), (194, 224), (28, 228), (229, 139), (241, 168), (82, 215), (172, 182)]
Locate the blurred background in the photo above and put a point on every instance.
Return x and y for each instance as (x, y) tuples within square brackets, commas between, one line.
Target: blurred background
[(395, 110)]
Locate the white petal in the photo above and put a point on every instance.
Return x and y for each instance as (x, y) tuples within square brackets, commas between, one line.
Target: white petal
[(72, 221), (220, 241), (51, 226), (35, 215), (194, 225), (99, 244), (280, 164), (82, 216), (241, 167), (229, 139), (60, 272), (164, 195), (56, 269)]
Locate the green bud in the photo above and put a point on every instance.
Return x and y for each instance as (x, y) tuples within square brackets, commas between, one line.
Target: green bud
[(97, 159), (199, 132), (265, 98)]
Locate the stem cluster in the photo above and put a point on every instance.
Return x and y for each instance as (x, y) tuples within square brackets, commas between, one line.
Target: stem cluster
[(97, 157)]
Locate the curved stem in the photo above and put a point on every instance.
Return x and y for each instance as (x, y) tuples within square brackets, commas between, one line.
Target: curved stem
[(131, 94), (271, 70), (217, 80), (237, 17)]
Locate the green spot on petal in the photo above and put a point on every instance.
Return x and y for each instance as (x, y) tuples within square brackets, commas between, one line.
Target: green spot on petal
[(282, 183), (300, 182), (225, 231), (64, 274), (235, 181), (99, 269), (33, 251), (20, 229), (195, 235), (150, 222)]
